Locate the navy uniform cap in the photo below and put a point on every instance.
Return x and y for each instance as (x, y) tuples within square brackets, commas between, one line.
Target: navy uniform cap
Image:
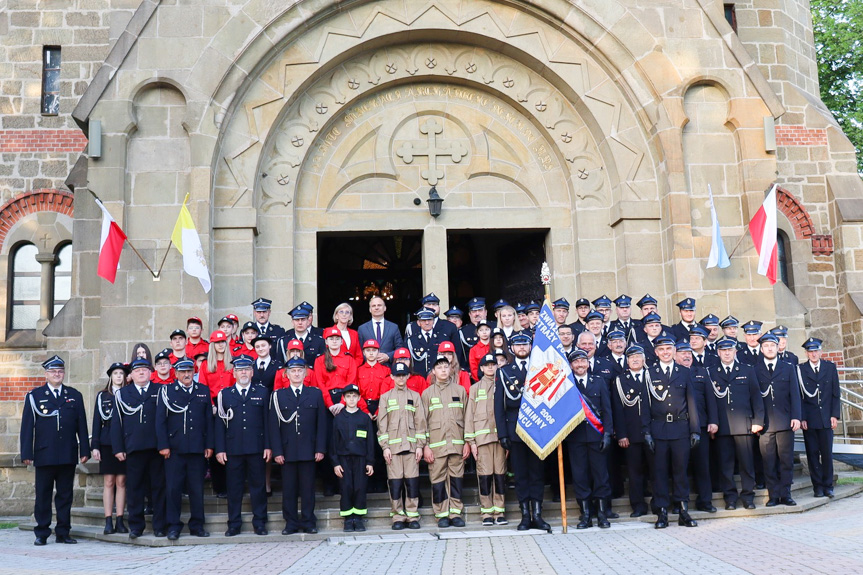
[(262, 304), (453, 311), (709, 319), (55, 362), (683, 345), (499, 304), (295, 362), (663, 340), (602, 301), (752, 326), (308, 306), (397, 369), (560, 303), (164, 354), (520, 308), (634, 349), (116, 365), (425, 313), (594, 315), (299, 312), (487, 359), (768, 337), (652, 317), (184, 365), (623, 300), (532, 306), (475, 303), (686, 304), (647, 299), (351, 388), (249, 325), (729, 321), (520, 338), (699, 330), (430, 298), (780, 331), (498, 351), (243, 362), (440, 359), (177, 332), (140, 362), (498, 331), (575, 354), (482, 322), (812, 344), (726, 343), (582, 301), (261, 337), (616, 334)]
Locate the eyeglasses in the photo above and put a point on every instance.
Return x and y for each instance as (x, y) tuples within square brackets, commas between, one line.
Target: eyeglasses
[(344, 311)]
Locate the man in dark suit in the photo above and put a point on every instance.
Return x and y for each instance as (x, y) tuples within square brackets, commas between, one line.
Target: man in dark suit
[(313, 342), (298, 428), (385, 332), (54, 440), (262, 308), (242, 445), (819, 382), (424, 341), (133, 440), (710, 322), (680, 330), (749, 352), (674, 430), (266, 366), (184, 434), (780, 389), (652, 329), (740, 413), (698, 343), (625, 322)]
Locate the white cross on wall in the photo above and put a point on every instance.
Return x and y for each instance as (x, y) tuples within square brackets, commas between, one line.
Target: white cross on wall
[(432, 149)]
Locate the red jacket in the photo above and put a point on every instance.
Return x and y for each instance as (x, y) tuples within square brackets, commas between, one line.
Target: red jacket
[(477, 352), (331, 383), (154, 378), (216, 381), (193, 349), (250, 353), (282, 380), (356, 348)]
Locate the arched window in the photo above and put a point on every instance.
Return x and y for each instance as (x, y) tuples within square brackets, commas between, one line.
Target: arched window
[(783, 247), (62, 278), (26, 277)]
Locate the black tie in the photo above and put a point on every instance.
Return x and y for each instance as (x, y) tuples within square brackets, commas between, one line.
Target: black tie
[(297, 392), (243, 391), (638, 377), (581, 383), (626, 326), (141, 389), (378, 331), (770, 369), (620, 362), (56, 394), (262, 366), (727, 371), (666, 370), (816, 370), (522, 366)]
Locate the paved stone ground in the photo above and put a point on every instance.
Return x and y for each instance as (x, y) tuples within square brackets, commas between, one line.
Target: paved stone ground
[(824, 540)]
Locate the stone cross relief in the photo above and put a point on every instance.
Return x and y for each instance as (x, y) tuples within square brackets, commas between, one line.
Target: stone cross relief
[(433, 149)]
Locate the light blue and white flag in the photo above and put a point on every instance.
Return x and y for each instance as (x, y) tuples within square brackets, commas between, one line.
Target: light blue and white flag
[(718, 255)]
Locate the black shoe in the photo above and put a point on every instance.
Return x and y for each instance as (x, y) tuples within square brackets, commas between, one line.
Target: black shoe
[(134, 534), (119, 526), (414, 524), (829, 492), (524, 524), (173, 535), (68, 539), (488, 522), (291, 531), (40, 541), (261, 531), (222, 495), (683, 518), (398, 526), (709, 508), (749, 505), (788, 501), (311, 530), (501, 520), (759, 486), (443, 522), (819, 492), (772, 502), (232, 531), (675, 508), (602, 515), (457, 522), (158, 533), (536, 520), (148, 510), (109, 526), (359, 524), (638, 513), (661, 519), (730, 506), (200, 533), (349, 525), (585, 520)]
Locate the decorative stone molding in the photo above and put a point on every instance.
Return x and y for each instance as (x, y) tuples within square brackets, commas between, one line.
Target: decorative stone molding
[(822, 245), (33, 202), (797, 215)]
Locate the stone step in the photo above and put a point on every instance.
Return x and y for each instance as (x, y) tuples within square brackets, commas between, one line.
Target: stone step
[(428, 530)]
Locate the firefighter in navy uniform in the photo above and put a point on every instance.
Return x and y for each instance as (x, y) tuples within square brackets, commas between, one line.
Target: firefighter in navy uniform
[(588, 448), (819, 382), (133, 439), (674, 429), (749, 352), (311, 337), (242, 445), (424, 341), (184, 433), (780, 389), (740, 414), (54, 440), (527, 467), (624, 321), (781, 332), (680, 330), (262, 308)]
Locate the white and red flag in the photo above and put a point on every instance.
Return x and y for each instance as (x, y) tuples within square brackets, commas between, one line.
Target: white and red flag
[(110, 245), (763, 230)]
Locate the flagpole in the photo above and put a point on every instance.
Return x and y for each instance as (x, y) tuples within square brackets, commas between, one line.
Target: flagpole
[(545, 277), (740, 241), (140, 257)]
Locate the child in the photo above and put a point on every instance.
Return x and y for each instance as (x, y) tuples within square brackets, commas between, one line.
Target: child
[(402, 436), (478, 351), (353, 458), (164, 372), (371, 378), (480, 432)]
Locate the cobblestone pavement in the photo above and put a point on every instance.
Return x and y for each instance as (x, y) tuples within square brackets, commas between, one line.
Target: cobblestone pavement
[(824, 540)]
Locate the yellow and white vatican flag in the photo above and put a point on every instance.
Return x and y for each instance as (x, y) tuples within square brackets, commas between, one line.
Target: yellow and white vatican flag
[(188, 243)]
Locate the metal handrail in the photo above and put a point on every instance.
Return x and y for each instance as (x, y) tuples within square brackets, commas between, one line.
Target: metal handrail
[(851, 393), (851, 404)]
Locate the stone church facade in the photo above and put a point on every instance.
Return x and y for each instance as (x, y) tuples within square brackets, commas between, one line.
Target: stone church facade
[(598, 124)]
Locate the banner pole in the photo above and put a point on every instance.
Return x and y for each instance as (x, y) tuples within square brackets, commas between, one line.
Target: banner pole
[(140, 257), (545, 277)]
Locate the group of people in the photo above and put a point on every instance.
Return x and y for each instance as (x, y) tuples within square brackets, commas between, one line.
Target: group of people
[(669, 400)]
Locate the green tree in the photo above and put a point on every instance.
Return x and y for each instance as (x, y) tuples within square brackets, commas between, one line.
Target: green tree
[(838, 27)]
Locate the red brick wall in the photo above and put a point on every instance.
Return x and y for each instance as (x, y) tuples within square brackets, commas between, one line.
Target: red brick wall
[(800, 136), (835, 356), (38, 140), (796, 214), (15, 388), (32, 202)]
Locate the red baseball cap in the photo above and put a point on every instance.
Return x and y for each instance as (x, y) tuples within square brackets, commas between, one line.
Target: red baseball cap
[(401, 352), (446, 346), (295, 344), (371, 343), (332, 331), (194, 319), (217, 336), (233, 318)]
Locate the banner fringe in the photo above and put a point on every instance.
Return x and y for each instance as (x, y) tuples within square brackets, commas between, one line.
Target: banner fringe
[(552, 445)]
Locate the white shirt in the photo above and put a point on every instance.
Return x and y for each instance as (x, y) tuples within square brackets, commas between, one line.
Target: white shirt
[(266, 361), (297, 389), (814, 366), (346, 336), (56, 391), (142, 390), (770, 363), (240, 388), (666, 367)]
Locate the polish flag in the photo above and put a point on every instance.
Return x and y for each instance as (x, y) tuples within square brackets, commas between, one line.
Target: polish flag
[(110, 245), (763, 230)]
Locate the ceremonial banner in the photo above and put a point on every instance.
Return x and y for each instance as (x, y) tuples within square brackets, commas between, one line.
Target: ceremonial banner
[(718, 256), (763, 229), (551, 404), (110, 245), (188, 243)]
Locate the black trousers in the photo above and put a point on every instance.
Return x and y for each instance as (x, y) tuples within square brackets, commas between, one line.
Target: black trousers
[(238, 470), (298, 481), (47, 477), (140, 466), (701, 470), (819, 453), (352, 486), (217, 475), (638, 458), (671, 459), (529, 473), (616, 469), (184, 471), (589, 470), (757, 463), (741, 446)]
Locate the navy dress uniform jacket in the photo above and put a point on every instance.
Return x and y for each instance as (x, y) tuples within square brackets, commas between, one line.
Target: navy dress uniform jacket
[(630, 422), (313, 346), (705, 398), (818, 410), (266, 377), (54, 430), (596, 395), (242, 425), (603, 368), (509, 383), (675, 417), (780, 393), (743, 406), (100, 436), (184, 420), (136, 431), (424, 353), (745, 356), (304, 429)]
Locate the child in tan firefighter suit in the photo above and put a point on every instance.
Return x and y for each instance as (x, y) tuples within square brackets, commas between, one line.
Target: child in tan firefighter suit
[(402, 436), (444, 405), (480, 432)]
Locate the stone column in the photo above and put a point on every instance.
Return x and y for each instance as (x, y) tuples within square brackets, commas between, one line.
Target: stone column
[(46, 297), (435, 266)]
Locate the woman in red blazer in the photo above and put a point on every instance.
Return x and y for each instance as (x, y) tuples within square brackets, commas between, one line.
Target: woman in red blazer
[(343, 317)]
